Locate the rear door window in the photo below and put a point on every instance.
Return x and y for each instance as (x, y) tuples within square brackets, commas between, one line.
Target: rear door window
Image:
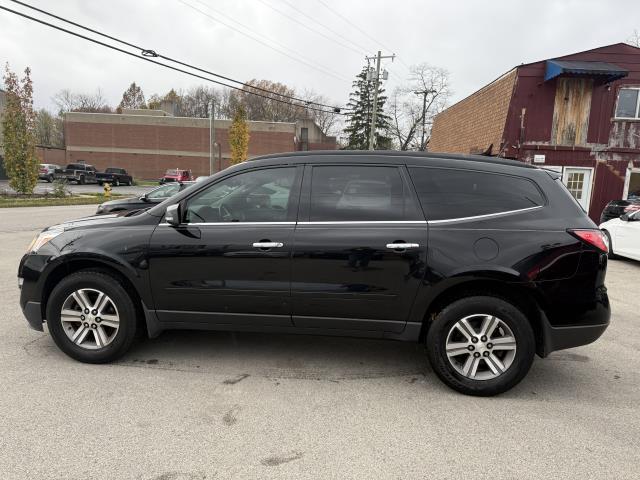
[(358, 193), (450, 194)]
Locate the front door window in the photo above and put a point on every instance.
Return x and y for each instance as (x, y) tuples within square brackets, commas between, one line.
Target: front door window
[(255, 196)]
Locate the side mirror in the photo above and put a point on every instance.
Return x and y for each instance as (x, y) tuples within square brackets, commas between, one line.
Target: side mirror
[(172, 215), (624, 217), (144, 198)]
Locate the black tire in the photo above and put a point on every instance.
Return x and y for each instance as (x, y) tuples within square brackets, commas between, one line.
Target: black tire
[(610, 255), (100, 183), (116, 183), (505, 311), (81, 180), (50, 178), (126, 309)]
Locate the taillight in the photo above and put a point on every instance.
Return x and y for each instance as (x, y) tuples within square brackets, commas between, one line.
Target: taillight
[(631, 208), (595, 238)]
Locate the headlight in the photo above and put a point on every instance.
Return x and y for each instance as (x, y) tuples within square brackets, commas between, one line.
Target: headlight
[(43, 238)]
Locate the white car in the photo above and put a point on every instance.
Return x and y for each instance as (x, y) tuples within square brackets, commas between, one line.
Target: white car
[(624, 235)]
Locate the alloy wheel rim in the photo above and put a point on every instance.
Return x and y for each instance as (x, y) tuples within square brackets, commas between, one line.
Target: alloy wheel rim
[(90, 318), (480, 347)]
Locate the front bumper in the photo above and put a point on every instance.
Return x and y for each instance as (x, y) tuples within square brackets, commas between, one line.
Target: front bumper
[(33, 313)]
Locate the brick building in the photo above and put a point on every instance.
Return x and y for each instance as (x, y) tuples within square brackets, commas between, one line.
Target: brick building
[(578, 114), (147, 142)]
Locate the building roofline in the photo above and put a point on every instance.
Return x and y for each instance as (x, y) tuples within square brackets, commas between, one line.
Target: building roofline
[(578, 53), (479, 90), (532, 63), (165, 117)]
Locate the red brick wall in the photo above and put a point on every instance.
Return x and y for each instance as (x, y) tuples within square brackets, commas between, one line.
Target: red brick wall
[(51, 155), (148, 165), (191, 139)]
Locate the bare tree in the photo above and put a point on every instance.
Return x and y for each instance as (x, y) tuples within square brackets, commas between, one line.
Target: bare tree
[(68, 101), (406, 105), (48, 129), (329, 121), (634, 39), (266, 106), (133, 97), (195, 102)]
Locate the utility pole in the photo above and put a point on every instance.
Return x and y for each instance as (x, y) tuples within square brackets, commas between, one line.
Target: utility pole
[(376, 83), (424, 94), (212, 137)]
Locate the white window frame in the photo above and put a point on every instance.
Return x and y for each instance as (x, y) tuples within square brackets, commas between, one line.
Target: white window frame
[(627, 180), (637, 117)]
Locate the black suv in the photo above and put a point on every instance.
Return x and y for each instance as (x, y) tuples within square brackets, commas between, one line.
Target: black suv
[(486, 261)]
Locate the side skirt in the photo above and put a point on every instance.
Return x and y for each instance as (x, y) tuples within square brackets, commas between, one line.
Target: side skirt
[(160, 320)]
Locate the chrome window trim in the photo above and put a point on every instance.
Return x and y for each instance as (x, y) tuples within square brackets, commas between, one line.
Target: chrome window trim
[(230, 223), (486, 216), (373, 222), (365, 222)]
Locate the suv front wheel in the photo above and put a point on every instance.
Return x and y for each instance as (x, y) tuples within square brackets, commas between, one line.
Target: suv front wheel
[(91, 317), (481, 345)]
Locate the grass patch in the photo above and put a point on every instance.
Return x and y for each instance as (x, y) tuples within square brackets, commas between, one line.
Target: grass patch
[(17, 201), (147, 183)]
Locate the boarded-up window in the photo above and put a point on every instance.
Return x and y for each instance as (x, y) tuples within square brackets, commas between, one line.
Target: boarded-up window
[(571, 111)]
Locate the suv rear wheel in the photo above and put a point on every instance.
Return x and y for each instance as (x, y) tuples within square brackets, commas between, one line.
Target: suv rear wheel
[(481, 345), (91, 317)]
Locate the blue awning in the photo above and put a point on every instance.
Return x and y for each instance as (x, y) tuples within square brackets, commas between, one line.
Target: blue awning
[(602, 70)]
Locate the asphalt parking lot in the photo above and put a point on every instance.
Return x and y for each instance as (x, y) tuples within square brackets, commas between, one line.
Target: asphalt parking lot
[(43, 187), (193, 405)]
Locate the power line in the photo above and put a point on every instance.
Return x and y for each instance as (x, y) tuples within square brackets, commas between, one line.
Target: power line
[(311, 29), (152, 53), (362, 31), (296, 56), (315, 20), (147, 59)]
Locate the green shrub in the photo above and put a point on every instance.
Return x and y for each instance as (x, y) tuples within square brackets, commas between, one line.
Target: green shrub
[(60, 189)]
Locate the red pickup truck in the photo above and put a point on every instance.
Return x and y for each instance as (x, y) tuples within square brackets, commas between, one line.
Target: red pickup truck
[(176, 175)]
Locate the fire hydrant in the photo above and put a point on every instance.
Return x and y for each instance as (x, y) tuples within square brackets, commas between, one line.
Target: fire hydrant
[(107, 190)]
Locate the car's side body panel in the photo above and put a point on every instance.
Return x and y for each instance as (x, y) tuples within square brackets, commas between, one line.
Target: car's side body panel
[(340, 277)]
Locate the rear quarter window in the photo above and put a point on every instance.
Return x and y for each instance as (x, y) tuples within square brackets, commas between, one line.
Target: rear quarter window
[(450, 194)]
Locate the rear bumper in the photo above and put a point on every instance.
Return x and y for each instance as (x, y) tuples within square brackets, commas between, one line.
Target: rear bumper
[(569, 336)]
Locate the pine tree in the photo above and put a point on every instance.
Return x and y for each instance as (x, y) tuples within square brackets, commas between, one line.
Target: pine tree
[(18, 127), (359, 118), (239, 136)]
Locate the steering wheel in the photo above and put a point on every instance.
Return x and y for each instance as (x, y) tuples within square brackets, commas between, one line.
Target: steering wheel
[(225, 213)]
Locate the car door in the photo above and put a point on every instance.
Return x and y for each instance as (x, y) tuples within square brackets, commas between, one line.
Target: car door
[(359, 248), (627, 236), (228, 263)]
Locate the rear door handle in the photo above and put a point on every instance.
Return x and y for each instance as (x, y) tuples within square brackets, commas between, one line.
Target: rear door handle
[(268, 245), (402, 246)]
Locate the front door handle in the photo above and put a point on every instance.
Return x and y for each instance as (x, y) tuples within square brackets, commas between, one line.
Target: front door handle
[(402, 246), (268, 245)]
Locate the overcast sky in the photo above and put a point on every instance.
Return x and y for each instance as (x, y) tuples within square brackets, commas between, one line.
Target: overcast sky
[(476, 41)]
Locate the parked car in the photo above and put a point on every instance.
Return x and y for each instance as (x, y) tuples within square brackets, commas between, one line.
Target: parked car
[(623, 235), (155, 196), (176, 175), (485, 261), (114, 176), (615, 208), (80, 173), (46, 171)]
